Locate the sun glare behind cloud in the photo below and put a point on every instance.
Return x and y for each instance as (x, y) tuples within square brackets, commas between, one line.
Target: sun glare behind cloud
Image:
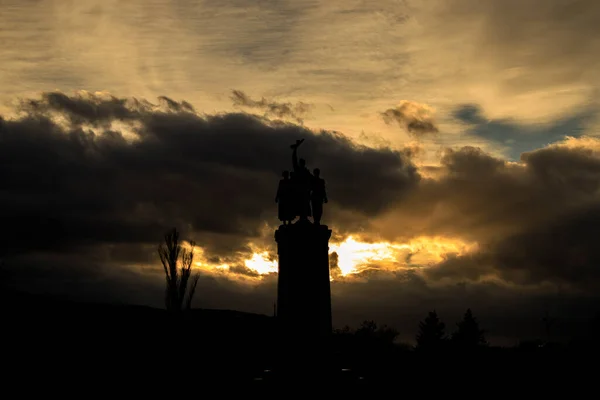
[(257, 265), (260, 263), (354, 256)]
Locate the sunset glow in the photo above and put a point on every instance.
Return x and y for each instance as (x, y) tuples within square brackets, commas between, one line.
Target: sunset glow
[(457, 144), (260, 263), (355, 256)]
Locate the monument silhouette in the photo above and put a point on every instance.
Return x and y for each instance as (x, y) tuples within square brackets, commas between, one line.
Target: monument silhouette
[(303, 287)]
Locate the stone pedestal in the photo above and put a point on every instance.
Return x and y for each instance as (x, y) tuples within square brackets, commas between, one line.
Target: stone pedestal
[(303, 288)]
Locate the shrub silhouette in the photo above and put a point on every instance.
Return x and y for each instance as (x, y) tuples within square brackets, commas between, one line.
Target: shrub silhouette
[(177, 263), (370, 332)]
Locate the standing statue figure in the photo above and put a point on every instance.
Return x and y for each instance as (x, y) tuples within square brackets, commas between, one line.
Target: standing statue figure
[(285, 198), (318, 196), (302, 181), (295, 196)]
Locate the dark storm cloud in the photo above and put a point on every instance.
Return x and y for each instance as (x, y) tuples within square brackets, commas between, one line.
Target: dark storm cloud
[(562, 252), (518, 138), (214, 177), (76, 203), (536, 222), (88, 108), (479, 197), (272, 108), (79, 109), (414, 117)]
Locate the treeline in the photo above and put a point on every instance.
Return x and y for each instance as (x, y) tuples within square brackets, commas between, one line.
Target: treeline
[(432, 333), (433, 336)]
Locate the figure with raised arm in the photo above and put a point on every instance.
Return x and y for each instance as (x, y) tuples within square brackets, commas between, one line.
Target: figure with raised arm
[(303, 179), (318, 196)]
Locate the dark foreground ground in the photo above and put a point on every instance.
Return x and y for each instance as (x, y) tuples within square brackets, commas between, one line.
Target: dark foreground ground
[(58, 347)]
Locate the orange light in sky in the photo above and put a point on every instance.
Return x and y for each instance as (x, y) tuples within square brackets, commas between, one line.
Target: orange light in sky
[(260, 263), (352, 254), (356, 256)]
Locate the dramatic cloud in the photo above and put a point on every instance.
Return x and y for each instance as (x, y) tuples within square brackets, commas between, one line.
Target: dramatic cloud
[(498, 212), (91, 182), (534, 221), (272, 108), (72, 176), (414, 117)]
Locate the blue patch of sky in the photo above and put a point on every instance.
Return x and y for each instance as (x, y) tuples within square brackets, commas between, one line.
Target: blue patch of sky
[(516, 138)]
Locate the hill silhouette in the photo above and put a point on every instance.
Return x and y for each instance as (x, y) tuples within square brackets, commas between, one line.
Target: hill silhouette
[(55, 338), (90, 337)]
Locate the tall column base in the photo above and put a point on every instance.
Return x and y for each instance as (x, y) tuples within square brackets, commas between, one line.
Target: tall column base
[(303, 288)]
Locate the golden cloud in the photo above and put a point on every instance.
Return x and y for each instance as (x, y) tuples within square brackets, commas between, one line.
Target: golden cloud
[(352, 256)]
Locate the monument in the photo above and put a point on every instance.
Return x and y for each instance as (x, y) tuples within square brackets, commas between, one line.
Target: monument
[(303, 288)]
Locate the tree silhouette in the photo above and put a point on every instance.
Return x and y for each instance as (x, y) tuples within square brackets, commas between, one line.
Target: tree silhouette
[(548, 323), (469, 335), (432, 334), (369, 331), (177, 263)]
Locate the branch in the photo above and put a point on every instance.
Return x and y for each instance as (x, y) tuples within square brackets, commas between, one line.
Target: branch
[(192, 291)]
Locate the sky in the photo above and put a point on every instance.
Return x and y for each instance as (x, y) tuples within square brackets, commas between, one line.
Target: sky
[(458, 139)]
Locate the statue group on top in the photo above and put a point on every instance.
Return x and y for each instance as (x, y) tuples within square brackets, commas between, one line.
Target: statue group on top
[(300, 192)]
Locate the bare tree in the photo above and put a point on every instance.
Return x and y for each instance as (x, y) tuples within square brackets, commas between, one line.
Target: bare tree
[(177, 262)]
